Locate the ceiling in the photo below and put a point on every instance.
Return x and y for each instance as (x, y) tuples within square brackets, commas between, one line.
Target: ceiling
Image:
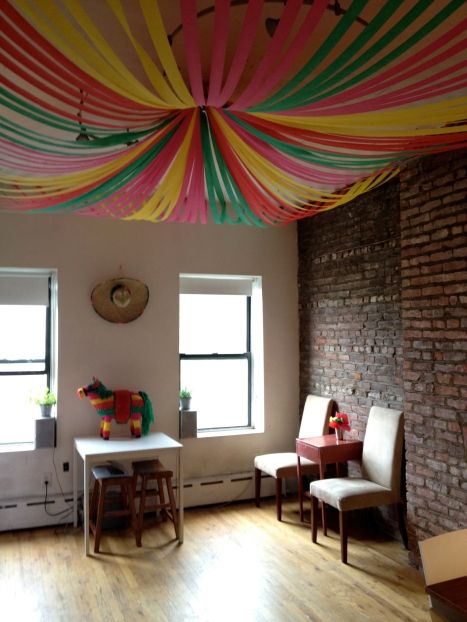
[(243, 111)]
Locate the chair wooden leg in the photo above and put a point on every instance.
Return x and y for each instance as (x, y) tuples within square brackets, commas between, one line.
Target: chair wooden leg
[(324, 518), (257, 487), (314, 518), (343, 533), (402, 527), (279, 498)]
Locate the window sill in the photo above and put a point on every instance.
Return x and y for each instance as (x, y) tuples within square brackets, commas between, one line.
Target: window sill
[(16, 447), (228, 432)]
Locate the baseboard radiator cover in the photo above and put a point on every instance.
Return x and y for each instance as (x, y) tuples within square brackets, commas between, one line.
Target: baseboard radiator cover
[(27, 513)]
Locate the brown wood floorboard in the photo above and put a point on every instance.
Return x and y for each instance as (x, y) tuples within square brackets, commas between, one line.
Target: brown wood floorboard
[(238, 563)]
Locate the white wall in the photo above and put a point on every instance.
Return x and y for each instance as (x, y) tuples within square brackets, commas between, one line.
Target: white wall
[(143, 355)]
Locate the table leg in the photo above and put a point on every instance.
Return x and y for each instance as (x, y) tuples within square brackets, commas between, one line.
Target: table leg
[(86, 505), (180, 497), (75, 488), (300, 487)]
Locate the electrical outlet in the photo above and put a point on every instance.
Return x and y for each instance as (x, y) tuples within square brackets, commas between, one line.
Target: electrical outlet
[(66, 466), (47, 479)]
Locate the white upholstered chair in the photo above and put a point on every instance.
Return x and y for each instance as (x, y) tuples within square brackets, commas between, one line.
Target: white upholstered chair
[(315, 419), (444, 557), (380, 481)]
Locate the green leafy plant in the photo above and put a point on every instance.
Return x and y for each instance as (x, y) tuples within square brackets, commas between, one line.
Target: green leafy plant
[(46, 398), (185, 394)]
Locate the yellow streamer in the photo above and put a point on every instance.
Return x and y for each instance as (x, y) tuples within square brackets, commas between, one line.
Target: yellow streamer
[(273, 175), (163, 201), (68, 40), (150, 68), (57, 185), (160, 41), (424, 120)]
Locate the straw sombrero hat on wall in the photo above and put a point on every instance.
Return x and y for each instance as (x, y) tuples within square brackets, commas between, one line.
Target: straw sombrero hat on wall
[(120, 300)]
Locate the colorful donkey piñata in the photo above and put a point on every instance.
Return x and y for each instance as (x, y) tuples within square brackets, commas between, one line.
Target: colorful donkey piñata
[(121, 405)]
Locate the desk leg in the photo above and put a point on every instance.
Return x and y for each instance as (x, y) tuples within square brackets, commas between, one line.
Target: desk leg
[(180, 497), (86, 506), (300, 487), (75, 488)]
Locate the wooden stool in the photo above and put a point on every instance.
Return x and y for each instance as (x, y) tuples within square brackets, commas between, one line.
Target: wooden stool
[(107, 477), (149, 470)]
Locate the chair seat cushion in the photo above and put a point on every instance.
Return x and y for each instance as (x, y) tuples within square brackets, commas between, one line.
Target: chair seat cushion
[(351, 493), (284, 464)]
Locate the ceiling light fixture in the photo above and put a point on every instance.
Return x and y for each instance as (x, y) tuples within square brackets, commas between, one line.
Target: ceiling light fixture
[(83, 135)]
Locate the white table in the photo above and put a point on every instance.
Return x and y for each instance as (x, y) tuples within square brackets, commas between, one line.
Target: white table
[(95, 450)]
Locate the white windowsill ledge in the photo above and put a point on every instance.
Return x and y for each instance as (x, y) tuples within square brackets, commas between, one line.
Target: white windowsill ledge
[(227, 432), (8, 448)]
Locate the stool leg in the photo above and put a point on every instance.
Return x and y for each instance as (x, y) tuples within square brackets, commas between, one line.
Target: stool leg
[(100, 516), (173, 505), (94, 499), (134, 521), (142, 503), (160, 487)]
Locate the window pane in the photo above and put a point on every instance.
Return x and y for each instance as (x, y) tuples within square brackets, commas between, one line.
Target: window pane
[(17, 411), (22, 332), (219, 389), (213, 324)]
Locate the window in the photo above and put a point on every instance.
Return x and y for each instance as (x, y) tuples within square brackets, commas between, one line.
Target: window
[(221, 349), (26, 349)]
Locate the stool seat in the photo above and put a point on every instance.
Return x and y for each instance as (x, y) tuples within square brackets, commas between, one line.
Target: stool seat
[(145, 471), (107, 477)]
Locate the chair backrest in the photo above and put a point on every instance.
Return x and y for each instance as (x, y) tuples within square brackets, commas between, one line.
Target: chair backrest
[(382, 448), (315, 417), (444, 556)]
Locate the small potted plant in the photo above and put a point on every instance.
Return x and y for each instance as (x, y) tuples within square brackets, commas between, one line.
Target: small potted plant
[(185, 399), (46, 400)]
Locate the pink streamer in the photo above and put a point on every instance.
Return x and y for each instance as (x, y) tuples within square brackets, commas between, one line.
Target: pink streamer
[(190, 35), (219, 46), (273, 51), (399, 72), (244, 45), (306, 172), (260, 92)]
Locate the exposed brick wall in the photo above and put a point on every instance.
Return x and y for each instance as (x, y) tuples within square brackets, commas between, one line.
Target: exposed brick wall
[(434, 315), (349, 305), (383, 320)]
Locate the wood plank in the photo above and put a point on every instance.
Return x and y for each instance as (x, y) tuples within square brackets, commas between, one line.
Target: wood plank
[(237, 563)]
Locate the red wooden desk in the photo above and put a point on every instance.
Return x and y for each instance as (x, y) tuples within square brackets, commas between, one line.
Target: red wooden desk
[(324, 450), (449, 598)]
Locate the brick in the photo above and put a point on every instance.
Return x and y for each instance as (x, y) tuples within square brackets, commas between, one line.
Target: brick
[(399, 312)]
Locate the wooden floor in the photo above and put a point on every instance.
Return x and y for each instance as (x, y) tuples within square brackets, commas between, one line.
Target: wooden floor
[(238, 563)]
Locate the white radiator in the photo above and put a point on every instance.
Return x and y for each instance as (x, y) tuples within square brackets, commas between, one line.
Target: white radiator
[(32, 512)]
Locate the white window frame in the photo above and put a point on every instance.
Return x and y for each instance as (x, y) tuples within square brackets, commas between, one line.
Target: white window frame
[(18, 281), (252, 287)]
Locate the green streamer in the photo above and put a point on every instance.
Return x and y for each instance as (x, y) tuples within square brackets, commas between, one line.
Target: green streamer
[(112, 185), (396, 30), (306, 155), (273, 103)]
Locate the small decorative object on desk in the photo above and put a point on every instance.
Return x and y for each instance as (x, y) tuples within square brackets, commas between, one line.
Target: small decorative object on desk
[(339, 422), (122, 405), (185, 399), (46, 400)]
